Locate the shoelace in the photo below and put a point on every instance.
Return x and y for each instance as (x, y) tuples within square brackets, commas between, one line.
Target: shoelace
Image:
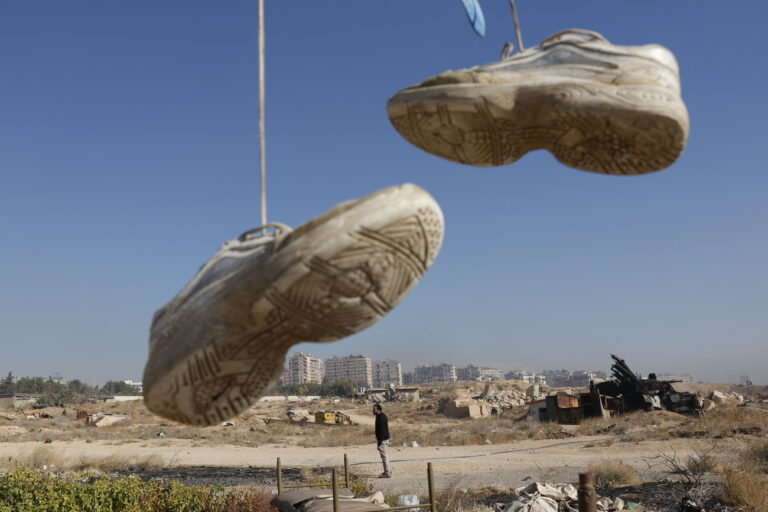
[(280, 230), (574, 35)]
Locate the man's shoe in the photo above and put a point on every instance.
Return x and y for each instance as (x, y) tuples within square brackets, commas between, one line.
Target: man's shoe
[(221, 342), (385, 475), (596, 106)]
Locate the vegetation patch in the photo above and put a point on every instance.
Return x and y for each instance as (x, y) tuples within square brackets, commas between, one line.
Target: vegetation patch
[(27, 490), (608, 474)]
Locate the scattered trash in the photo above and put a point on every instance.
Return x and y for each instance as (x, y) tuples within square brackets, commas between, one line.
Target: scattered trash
[(48, 441), (488, 441), (688, 505), (415, 445), (161, 434), (332, 418), (226, 424), (542, 497), (408, 499)]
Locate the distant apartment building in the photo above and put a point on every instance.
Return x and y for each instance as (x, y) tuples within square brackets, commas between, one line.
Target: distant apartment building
[(358, 369), (572, 379), (437, 373), (138, 385), (386, 373), (472, 372), (408, 379), (557, 378), (526, 376), (684, 377), (303, 368)]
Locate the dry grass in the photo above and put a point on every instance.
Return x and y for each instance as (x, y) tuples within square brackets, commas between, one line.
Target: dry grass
[(610, 474), (725, 422), (702, 463), (746, 491), (755, 457), (47, 458)]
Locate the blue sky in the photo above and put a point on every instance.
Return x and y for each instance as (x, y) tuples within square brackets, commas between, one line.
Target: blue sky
[(128, 153)]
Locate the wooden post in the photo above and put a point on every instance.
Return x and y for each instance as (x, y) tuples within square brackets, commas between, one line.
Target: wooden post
[(587, 494), (431, 486), (346, 471), (334, 484), (279, 477)]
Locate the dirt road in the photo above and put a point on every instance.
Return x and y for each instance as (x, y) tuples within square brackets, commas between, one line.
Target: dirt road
[(506, 464)]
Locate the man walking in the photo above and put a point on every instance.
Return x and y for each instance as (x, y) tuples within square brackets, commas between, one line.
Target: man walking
[(382, 439)]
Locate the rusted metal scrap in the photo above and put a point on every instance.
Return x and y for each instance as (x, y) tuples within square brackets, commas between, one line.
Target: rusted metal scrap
[(624, 392), (637, 393)]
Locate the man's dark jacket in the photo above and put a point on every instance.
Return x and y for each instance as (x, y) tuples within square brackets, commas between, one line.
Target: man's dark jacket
[(382, 428)]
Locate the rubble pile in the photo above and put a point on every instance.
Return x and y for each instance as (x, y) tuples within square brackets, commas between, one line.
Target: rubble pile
[(391, 394), (506, 399)]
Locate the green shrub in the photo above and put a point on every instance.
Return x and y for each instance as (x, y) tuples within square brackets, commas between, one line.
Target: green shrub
[(26, 490)]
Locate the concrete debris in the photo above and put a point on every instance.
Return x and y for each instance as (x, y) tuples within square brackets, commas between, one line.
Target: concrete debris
[(299, 415), (720, 398), (507, 399), (106, 420), (391, 394), (533, 392)]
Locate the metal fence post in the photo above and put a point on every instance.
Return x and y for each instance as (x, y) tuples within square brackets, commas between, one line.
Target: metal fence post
[(279, 477), (334, 484), (346, 471), (431, 486), (587, 494)]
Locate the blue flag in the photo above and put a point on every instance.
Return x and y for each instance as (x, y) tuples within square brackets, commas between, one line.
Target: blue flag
[(475, 15)]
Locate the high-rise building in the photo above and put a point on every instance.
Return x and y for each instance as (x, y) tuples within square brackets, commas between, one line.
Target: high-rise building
[(438, 373), (302, 369), (386, 373), (358, 369)]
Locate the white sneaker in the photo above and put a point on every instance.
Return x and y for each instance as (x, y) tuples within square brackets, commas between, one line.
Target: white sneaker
[(596, 106), (221, 342)]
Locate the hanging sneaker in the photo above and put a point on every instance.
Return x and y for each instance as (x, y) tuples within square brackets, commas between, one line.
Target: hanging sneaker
[(221, 342), (595, 106)]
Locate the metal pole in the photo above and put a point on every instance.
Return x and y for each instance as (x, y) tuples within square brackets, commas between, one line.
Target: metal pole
[(346, 471), (587, 494), (262, 123), (518, 34), (279, 477), (334, 484), (431, 486)]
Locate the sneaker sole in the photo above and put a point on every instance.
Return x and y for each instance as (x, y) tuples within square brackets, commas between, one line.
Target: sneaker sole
[(334, 276), (589, 126)]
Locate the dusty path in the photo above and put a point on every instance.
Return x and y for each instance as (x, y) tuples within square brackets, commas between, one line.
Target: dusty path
[(475, 466)]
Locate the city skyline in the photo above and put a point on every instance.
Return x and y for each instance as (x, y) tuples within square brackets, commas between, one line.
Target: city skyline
[(407, 368)]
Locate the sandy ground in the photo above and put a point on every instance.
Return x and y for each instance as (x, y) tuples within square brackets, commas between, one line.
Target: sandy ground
[(507, 464)]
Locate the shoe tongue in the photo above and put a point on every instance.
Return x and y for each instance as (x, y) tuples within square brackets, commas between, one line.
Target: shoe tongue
[(573, 36)]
